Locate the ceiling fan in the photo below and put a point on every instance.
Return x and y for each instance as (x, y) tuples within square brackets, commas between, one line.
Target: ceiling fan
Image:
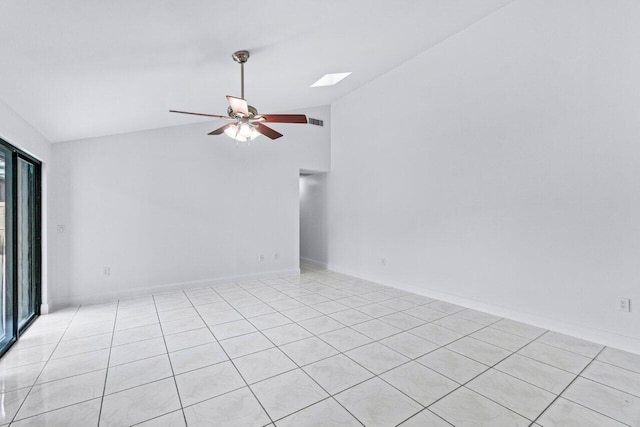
[(246, 124)]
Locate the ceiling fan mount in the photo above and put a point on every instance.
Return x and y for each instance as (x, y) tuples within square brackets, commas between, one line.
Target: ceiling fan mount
[(241, 56), (247, 124)]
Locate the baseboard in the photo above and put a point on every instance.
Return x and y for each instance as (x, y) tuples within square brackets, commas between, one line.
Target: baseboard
[(46, 308), (313, 262), (172, 287), (600, 336)]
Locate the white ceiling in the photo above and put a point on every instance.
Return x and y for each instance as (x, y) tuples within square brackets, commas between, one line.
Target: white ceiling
[(82, 68)]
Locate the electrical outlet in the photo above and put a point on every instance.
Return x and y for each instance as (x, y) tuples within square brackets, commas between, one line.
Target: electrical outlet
[(107, 271), (383, 261), (624, 304), (261, 257)]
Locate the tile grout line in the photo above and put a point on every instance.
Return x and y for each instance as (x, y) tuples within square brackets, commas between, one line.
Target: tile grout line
[(156, 417), (294, 322), (565, 388), (531, 340), (106, 375), (463, 385), (329, 395), (210, 331), (377, 341), (378, 318), (619, 367), (49, 411), (373, 340), (82, 352), (287, 292), (557, 395), (575, 375), (44, 366), (173, 374), (229, 358), (547, 364), (591, 409), (609, 386), (489, 367), (561, 348), (579, 375), (274, 346), (425, 409)]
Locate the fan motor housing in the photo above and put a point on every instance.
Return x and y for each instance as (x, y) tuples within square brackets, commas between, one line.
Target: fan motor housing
[(252, 112)]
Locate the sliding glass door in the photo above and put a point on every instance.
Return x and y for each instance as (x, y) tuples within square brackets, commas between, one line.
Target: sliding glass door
[(7, 329), (19, 242), (28, 298)]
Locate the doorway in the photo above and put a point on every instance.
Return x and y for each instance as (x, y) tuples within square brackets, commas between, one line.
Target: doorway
[(313, 224), (20, 243)]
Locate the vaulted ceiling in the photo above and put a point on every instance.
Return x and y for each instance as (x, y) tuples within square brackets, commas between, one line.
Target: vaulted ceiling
[(82, 68)]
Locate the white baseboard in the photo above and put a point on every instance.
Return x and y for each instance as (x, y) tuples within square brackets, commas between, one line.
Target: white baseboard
[(600, 336), (171, 287), (46, 308), (313, 262)]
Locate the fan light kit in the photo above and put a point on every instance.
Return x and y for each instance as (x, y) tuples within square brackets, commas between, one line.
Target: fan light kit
[(246, 124)]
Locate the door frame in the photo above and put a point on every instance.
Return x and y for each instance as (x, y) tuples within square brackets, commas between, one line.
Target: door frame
[(16, 154)]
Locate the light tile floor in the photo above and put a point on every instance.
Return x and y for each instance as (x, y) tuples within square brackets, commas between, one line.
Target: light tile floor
[(321, 349)]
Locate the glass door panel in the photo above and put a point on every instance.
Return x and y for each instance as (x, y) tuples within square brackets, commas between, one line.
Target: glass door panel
[(7, 326), (19, 243), (26, 228)]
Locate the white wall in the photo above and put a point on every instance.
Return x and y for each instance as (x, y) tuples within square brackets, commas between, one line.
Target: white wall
[(313, 224), (16, 131), (21, 134), (500, 169), (174, 207)]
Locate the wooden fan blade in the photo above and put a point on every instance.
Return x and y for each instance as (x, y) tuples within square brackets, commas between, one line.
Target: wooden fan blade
[(200, 114), (285, 118), (267, 131), (220, 130), (238, 105)]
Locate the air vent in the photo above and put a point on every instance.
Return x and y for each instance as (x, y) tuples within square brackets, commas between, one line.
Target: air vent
[(316, 122)]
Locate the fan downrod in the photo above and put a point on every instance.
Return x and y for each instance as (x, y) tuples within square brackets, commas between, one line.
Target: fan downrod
[(241, 57)]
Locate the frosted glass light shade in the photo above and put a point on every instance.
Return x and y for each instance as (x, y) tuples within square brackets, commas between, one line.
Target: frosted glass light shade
[(246, 132)]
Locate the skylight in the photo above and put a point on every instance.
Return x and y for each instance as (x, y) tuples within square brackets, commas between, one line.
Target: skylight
[(330, 79)]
